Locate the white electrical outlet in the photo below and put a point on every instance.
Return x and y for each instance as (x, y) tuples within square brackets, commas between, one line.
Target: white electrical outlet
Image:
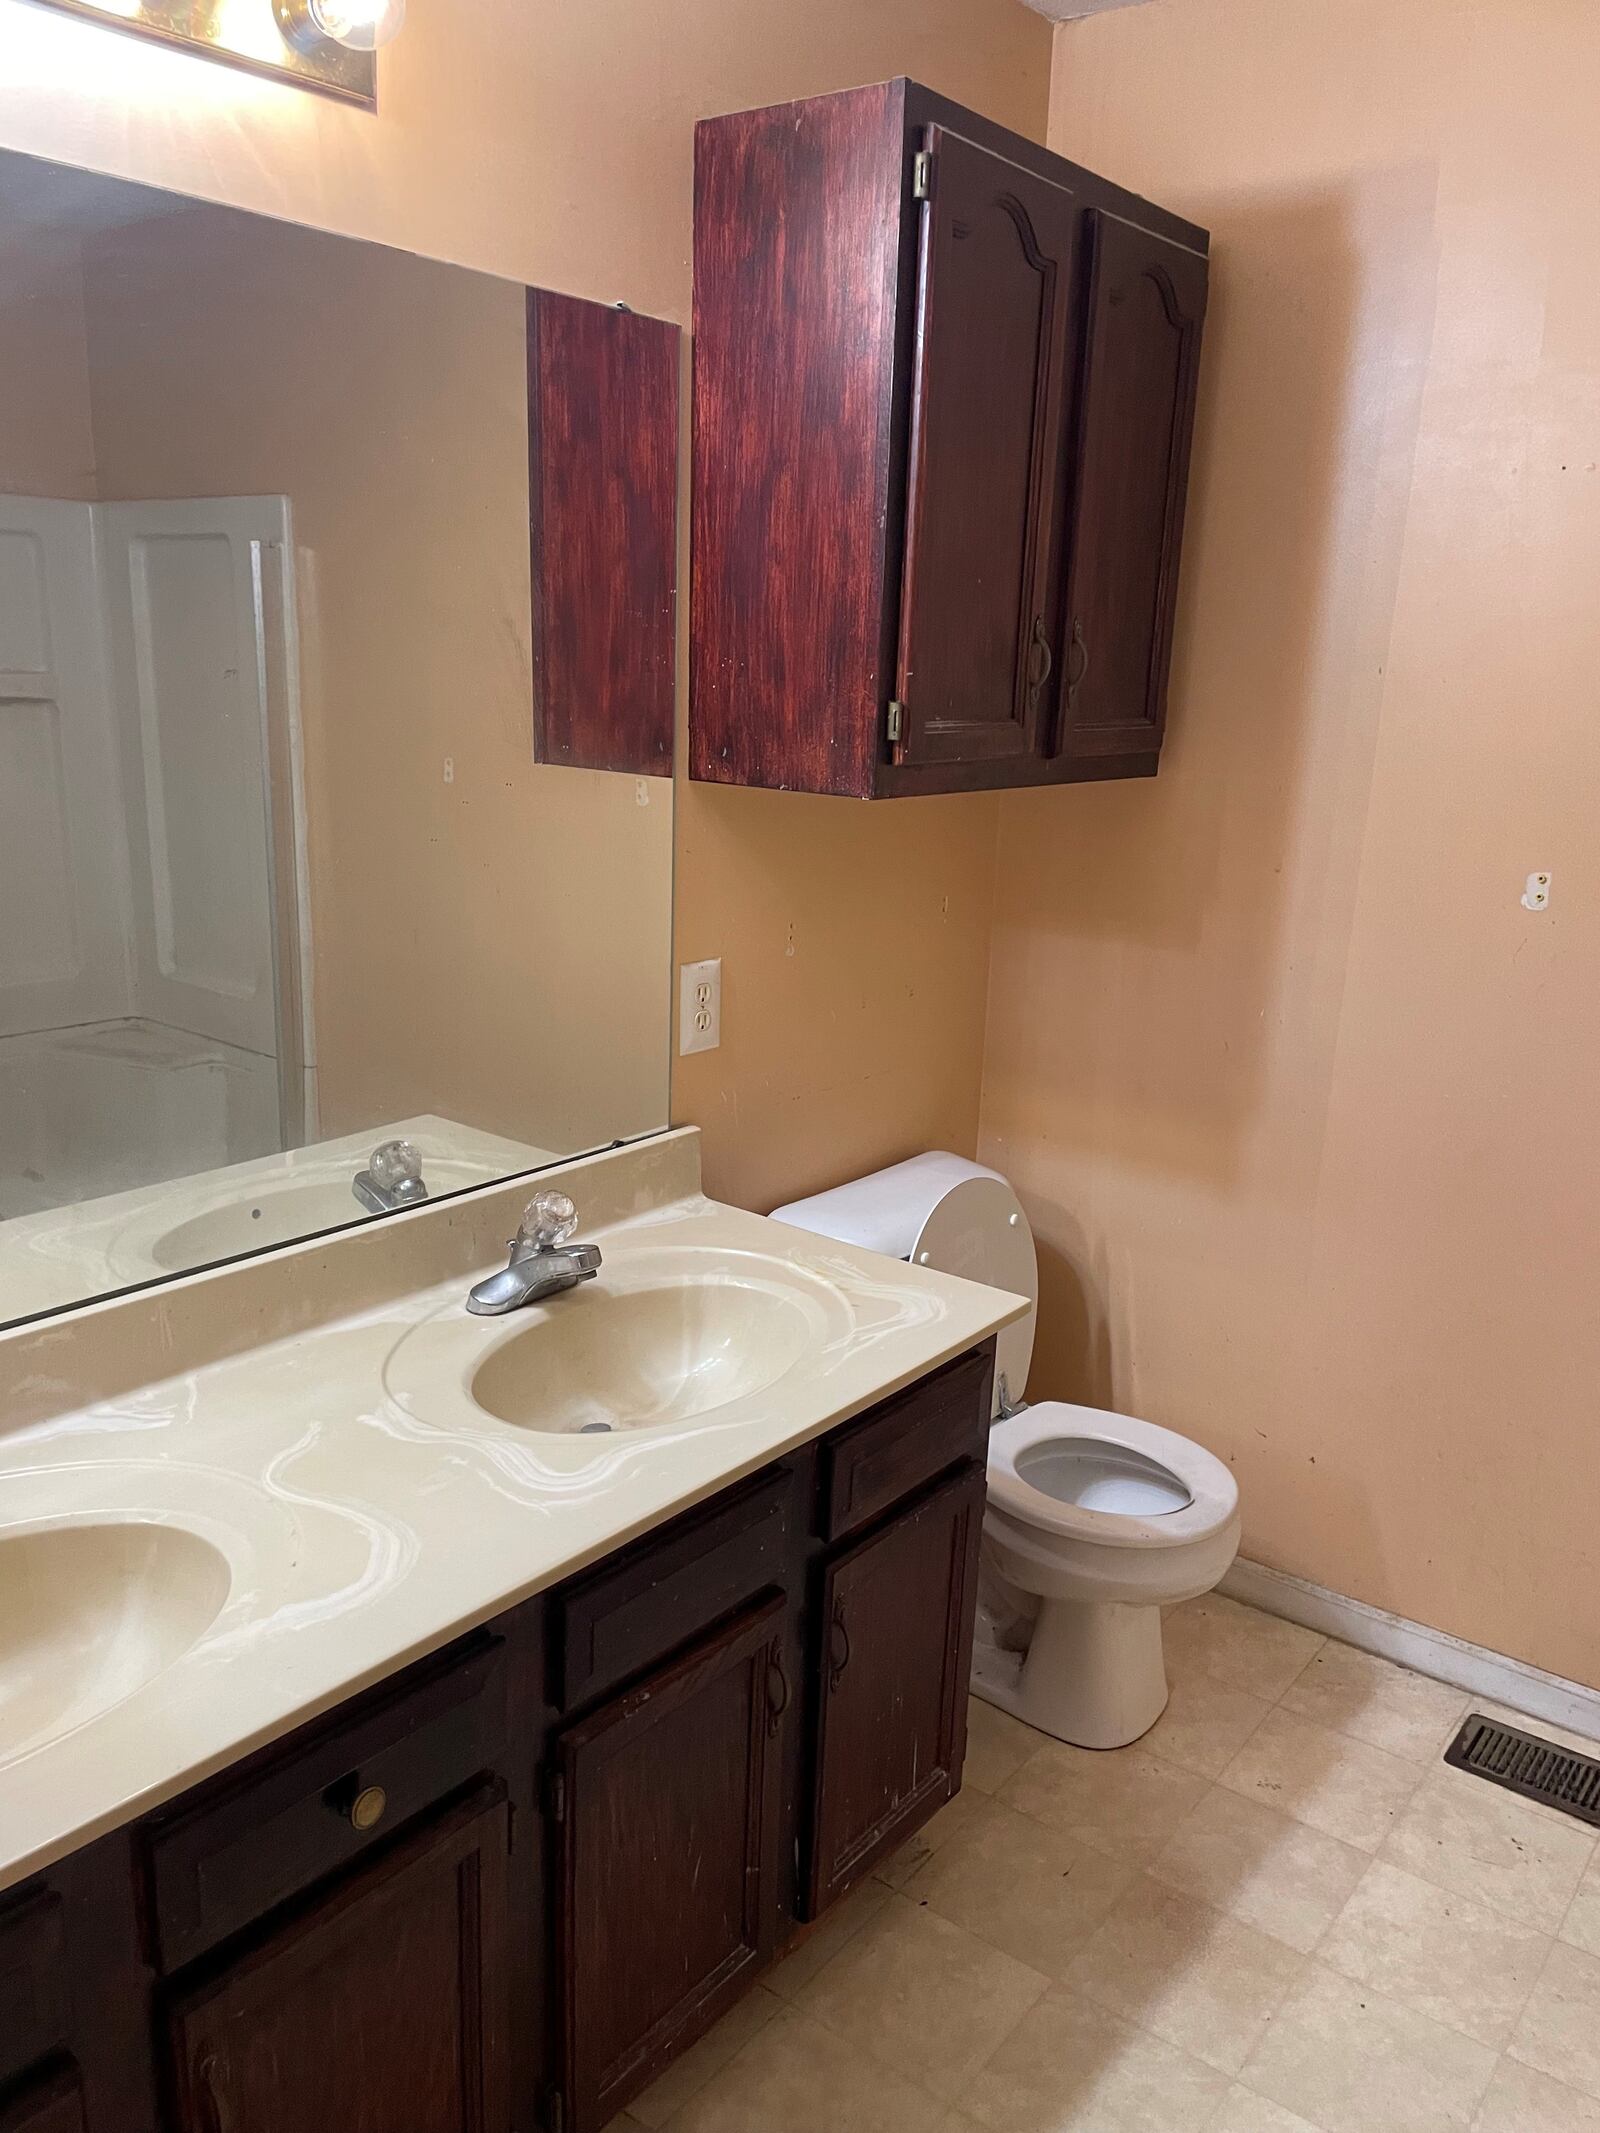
[(1536, 893), (700, 1006)]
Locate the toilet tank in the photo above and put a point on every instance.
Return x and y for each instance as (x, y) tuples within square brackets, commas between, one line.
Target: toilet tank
[(941, 1211)]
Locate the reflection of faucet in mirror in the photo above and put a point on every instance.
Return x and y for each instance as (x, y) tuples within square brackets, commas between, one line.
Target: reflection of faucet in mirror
[(392, 1178), (542, 1263)]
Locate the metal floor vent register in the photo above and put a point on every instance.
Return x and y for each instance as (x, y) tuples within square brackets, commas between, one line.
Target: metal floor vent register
[(1556, 1777)]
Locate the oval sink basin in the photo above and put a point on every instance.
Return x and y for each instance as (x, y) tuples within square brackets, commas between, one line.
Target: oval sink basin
[(91, 1614), (281, 1214), (633, 1358)]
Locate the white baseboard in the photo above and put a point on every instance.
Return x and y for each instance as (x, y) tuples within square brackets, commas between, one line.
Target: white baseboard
[(1485, 1674)]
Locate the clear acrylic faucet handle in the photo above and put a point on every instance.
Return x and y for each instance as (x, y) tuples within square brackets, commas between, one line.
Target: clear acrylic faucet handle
[(394, 1163), (549, 1219)]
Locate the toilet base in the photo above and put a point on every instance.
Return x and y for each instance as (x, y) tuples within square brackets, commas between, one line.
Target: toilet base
[(1093, 1674)]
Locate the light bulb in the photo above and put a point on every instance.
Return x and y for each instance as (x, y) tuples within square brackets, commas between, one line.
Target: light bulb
[(358, 25)]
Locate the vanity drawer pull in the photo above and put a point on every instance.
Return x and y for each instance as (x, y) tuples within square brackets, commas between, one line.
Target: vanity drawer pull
[(838, 1645), (211, 2115), (777, 1688), (900, 1447), (363, 1806), (292, 1815)]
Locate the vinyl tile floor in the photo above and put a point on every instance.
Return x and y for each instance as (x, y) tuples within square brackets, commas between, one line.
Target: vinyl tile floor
[(1279, 1912)]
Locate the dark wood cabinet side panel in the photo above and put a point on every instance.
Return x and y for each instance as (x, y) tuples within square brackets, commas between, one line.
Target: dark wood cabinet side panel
[(603, 519), (797, 270), (1143, 313), (382, 2008)]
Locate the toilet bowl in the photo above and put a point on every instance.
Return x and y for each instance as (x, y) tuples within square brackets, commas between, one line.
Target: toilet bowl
[(1095, 1521), (1100, 1520)]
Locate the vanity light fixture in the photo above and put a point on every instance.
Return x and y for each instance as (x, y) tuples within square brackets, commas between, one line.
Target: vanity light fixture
[(328, 45)]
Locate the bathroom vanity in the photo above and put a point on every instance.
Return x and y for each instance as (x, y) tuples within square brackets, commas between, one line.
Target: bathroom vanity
[(260, 1879)]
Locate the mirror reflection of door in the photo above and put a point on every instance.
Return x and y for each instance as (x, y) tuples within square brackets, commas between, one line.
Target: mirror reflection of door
[(149, 989)]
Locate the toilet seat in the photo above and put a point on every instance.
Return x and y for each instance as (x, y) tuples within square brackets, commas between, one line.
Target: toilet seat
[(1212, 1491)]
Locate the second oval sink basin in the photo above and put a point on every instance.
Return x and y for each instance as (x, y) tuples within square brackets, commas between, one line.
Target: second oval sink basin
[(90, 1614), (282, 1214), (630, 1359)]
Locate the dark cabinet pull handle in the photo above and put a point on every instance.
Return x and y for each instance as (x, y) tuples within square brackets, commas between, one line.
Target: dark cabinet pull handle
[(211, 2114), (838, 1636), (1040, 657), (1077, 668), (777, 1689)]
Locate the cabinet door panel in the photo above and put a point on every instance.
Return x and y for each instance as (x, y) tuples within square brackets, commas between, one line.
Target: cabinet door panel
[(381, 2010), (666, 1820), (897, 1616), (1143, 313), (52, 2103), (995, 281)]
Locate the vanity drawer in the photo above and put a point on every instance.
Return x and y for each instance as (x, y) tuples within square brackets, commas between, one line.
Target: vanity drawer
[(669, 1587), (33, 1980), (297, 1814), (900, 1446)]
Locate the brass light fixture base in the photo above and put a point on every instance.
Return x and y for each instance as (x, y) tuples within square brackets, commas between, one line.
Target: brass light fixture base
[(270, 37)]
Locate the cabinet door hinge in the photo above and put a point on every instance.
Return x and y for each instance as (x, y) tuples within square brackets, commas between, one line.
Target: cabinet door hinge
[(555, 2115), (895, 725), (922, 174), (555, 1795)]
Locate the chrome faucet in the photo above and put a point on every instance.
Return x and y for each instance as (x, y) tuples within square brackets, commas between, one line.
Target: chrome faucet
[(392, 1178), (542, 1263)]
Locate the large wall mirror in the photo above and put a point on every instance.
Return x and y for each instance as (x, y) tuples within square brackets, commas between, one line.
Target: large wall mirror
[(282, 882)]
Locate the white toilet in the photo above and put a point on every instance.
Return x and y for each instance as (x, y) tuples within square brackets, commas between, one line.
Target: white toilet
[(1095, 1522)]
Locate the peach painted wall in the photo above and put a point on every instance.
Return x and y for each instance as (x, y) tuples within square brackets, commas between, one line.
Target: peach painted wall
[(554, 144), (1300, 1098), (46, 438)]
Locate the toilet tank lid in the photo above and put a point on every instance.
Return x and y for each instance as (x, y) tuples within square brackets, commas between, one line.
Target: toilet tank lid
[(941, 1211)]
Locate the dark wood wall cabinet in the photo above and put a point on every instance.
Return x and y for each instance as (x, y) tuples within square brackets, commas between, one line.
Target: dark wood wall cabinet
[(603, 524), (502, 1892), (944, 389)]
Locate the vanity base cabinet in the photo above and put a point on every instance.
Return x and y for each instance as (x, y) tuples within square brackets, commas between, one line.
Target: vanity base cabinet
[(891, 1730), (383, 2007), (503, 1891), (665, 1810)]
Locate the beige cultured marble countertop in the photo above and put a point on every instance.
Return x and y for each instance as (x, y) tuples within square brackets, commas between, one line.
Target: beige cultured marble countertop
[(367, 1511)]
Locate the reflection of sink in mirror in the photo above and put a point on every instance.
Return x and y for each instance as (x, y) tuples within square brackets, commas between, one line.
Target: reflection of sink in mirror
[(640, 1358), (278, 1214), (91, 1614)]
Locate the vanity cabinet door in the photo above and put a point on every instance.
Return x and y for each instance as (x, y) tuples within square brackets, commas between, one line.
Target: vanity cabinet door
[(897, 1615), (382, 2009), (51, 2104), (665, 1804)]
